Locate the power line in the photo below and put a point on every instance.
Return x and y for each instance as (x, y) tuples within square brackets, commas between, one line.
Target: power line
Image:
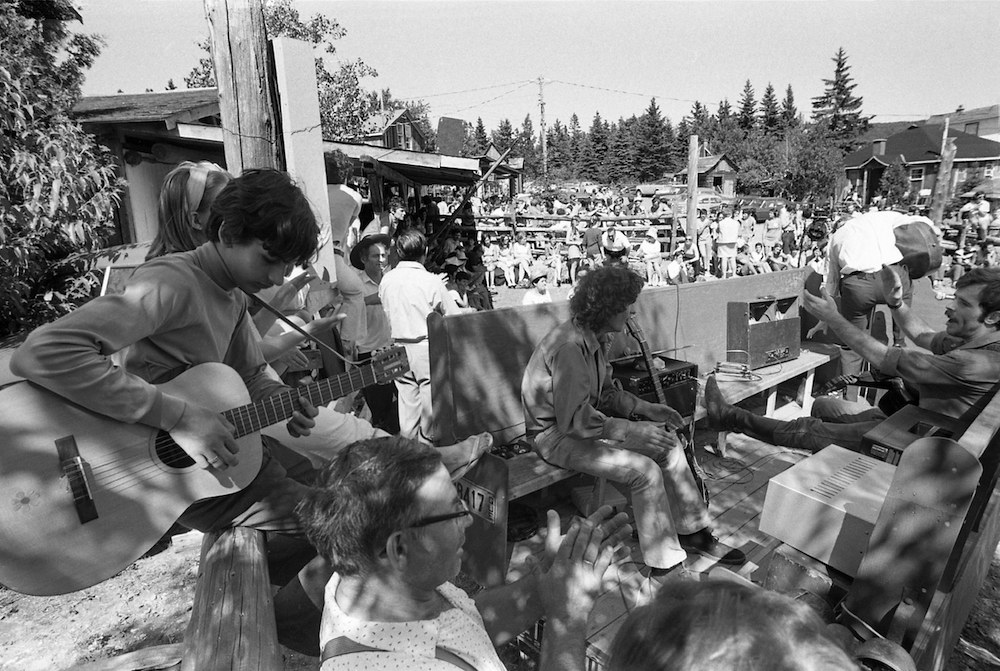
[(454, 93), (490, 100)]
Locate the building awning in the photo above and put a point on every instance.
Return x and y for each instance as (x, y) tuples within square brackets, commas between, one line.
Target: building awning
[(413, 166)]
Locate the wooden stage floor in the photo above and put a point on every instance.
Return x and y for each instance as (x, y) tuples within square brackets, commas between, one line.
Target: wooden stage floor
[(737, 483)]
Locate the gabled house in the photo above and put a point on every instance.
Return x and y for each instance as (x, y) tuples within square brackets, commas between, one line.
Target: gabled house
[(714, 172), (918, 148), (396, 129), (981, 121)]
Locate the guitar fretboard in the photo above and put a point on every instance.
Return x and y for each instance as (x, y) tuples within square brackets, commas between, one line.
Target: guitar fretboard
[(253, 417)]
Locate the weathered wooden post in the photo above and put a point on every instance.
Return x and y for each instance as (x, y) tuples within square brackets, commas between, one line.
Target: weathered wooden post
[(692, 209), (247, 92), (232, 624)]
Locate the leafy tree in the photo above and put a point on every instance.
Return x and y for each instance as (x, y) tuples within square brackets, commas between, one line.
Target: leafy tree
[(770, 119), (895, 183), (789, 114), (748, 109), (344, 105), (838, 110), (815, 164), (503, 136), (58, 186)]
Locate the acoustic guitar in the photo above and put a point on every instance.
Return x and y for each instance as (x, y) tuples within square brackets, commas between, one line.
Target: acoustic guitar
[(82, 496)]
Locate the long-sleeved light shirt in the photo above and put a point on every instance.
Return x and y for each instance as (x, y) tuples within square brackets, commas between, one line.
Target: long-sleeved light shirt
[(177, 311), (568, 384)]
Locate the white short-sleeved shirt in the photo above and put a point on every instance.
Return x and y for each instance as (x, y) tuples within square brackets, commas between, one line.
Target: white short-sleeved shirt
[(410, 645)]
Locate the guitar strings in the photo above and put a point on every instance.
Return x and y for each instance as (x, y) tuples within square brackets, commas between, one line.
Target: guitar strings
[(112, 473)]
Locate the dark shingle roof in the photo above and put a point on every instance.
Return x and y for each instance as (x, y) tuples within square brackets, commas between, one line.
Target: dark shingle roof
[(923, 143), (179, 105)]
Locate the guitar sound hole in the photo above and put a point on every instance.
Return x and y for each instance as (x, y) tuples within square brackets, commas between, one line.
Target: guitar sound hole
[(170, 453)]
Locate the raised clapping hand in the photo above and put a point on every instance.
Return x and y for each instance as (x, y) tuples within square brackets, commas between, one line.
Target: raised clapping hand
[(287, 291), (573, 569)]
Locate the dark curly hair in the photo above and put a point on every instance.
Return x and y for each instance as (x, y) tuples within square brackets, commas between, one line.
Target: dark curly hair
[(988, 279), (603, 293), (362, 497), (266, 205)]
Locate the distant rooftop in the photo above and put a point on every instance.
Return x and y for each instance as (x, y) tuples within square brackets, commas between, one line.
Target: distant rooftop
[(180, 105)]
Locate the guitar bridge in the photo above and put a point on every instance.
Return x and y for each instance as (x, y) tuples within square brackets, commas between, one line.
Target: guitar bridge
[(75, 469)]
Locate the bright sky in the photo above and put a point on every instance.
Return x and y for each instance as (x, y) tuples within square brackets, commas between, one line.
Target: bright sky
[(483, 59)]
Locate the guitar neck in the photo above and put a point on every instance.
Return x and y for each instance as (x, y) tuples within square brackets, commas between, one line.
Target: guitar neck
[(253, 417), (647, 354)]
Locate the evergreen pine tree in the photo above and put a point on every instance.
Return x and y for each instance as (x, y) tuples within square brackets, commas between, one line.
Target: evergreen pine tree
[(748, 109), (894, 183), (789, 114), (593, 165), (576, 138), (652, 153), (838, 110), (480, 139), (770, 119), (526, 148), (503, 137)]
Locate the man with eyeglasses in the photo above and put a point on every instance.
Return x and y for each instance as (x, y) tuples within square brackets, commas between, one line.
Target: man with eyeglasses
[(390, 522)]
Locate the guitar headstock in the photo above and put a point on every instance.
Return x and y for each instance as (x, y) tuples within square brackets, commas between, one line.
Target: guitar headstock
[(389, 363)]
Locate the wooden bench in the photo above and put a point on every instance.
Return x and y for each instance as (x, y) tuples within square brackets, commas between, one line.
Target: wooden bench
[(738, 388)]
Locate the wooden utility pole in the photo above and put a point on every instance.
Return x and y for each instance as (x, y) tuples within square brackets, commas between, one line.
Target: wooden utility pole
[(247, 92), (692, 213), (541, 112)]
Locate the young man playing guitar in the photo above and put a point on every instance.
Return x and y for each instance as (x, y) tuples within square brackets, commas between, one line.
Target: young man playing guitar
[(178, 312)]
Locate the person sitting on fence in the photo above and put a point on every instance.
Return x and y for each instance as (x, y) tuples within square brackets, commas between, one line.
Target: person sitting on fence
[(717, 624), (521, 259), (575, 417), (649, 249), (963, 364), (388, 519)]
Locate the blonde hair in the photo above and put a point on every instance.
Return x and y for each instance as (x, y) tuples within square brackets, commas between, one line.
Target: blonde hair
[(183, 194)]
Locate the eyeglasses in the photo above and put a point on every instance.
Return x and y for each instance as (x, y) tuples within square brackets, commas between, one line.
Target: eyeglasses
[(434, 519)]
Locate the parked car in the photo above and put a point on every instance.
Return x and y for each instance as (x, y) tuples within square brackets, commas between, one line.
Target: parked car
[(761, 205)]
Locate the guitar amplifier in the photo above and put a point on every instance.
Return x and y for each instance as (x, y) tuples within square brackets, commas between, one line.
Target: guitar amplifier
[(679, 380), (763, 332)]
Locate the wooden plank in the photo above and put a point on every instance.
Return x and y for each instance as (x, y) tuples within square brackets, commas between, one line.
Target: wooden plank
[(232, 626), (529, 473)]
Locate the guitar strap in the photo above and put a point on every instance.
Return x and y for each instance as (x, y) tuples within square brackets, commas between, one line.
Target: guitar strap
[(311, 338)]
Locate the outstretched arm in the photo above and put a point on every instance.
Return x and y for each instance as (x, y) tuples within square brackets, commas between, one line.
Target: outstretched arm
[(913, 326), (824, 308)]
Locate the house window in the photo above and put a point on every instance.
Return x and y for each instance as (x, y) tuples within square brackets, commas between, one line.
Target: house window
[(989, 171), (916, 174), (972, 128)]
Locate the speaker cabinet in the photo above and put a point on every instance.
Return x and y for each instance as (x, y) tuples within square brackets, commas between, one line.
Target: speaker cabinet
[(678, 378), (764, 331)]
